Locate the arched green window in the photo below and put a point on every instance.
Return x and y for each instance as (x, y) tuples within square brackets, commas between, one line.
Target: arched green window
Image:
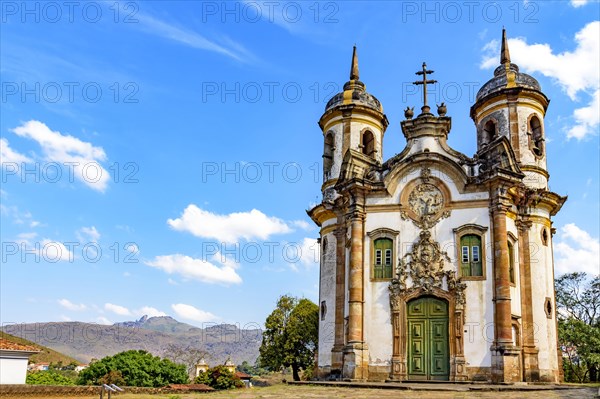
[(382, 258), (470, 256)]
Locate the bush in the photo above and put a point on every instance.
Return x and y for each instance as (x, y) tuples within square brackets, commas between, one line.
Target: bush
[(49, 377), (137, 368), (219, 377), (113, 377)]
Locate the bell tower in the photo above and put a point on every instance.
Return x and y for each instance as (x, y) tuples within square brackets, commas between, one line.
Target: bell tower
[(353, 119), (513, 105)]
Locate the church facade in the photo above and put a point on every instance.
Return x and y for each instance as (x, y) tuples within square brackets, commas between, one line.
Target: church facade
[(436, 265)]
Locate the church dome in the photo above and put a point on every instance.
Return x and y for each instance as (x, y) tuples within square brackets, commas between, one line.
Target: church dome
[(507, 75), (354, 92), (504, 78)]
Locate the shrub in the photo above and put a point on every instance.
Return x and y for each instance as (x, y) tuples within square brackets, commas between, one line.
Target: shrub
[(219, 377), (49, 377)]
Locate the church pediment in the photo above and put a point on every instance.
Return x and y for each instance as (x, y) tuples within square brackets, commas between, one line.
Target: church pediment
[(395, 173)]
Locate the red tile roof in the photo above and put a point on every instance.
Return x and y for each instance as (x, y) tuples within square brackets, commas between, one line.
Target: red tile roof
[(13, 346), (242, 376)]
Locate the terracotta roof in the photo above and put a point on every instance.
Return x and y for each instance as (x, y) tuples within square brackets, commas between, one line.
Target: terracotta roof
[(13, 346), (242, 376)]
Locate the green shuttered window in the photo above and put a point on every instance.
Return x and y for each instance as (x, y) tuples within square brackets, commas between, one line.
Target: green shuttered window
[(471, 263), (382, 262)]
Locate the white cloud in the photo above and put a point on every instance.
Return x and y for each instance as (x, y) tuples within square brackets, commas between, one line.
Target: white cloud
[(65, 318), (196, 269), (228, 228), (132, 248), (120, 310), (310, 252), (53, 251), (579, 3), (587, 119), (192, 39), (88, 234), (103, 320), (150, 312), (575, 71), (71, 306), (8, 155), (302, 224), (576, 251), (191, 313), (74, 155)]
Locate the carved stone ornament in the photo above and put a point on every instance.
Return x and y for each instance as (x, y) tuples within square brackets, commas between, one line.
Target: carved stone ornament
[(423, 268), (426, 202)]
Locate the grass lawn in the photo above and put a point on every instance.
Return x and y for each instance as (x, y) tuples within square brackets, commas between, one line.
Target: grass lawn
[(314, 392)]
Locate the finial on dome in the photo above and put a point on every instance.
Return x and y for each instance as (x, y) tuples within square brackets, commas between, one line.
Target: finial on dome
[(504, 53), (354, 66)]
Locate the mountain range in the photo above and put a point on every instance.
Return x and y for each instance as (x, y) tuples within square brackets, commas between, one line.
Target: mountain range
[(158, 335)]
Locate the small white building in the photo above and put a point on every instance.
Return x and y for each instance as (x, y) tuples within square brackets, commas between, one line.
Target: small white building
[(13, 361)]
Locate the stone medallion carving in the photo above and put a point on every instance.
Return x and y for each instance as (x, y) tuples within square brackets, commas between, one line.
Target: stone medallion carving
[(426, 202)]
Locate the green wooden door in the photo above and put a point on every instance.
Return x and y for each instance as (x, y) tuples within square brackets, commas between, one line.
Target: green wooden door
[(428, 352)]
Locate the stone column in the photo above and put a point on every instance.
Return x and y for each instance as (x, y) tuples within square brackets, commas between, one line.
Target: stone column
[(505, 359), (501, 278), (355, 280), (531, 371), (340, 291), (355, 353)]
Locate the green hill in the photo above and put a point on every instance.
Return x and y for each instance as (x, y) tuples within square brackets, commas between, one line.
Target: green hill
[(46, 355)]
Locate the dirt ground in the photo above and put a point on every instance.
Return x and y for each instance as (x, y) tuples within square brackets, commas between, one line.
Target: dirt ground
[(314, 392)]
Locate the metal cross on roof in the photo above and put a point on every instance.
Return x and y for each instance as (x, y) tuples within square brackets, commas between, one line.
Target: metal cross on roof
[(425, 108)]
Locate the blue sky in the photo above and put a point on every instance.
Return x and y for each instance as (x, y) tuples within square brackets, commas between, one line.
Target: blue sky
[(158, 158)]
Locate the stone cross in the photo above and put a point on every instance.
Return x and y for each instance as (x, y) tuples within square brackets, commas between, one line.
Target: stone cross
[(425, 108)]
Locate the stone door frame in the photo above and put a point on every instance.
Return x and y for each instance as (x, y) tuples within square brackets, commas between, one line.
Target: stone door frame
[(399, 319)]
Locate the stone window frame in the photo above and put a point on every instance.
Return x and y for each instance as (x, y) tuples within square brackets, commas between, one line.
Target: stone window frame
[(328, 153), (361, 145), (323, 310), (382, 232), (513, 242), (495, 133), (544, 240), (516, 325), (459, 232), (530, 138), (548, 307)]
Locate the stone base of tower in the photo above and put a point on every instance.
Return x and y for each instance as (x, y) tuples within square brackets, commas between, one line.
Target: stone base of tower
[(506, 364), (531, 372), (356, 362)]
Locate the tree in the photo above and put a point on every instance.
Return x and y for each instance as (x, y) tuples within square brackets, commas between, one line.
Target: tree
[(219, 377), (578, 312), (189, 356), (291, 335), (137, 368)]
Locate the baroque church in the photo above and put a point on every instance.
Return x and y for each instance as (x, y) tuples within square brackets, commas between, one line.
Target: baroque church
[(436, 265)]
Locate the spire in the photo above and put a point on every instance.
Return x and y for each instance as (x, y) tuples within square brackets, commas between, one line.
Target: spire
[(354, 66), (504, 53)]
